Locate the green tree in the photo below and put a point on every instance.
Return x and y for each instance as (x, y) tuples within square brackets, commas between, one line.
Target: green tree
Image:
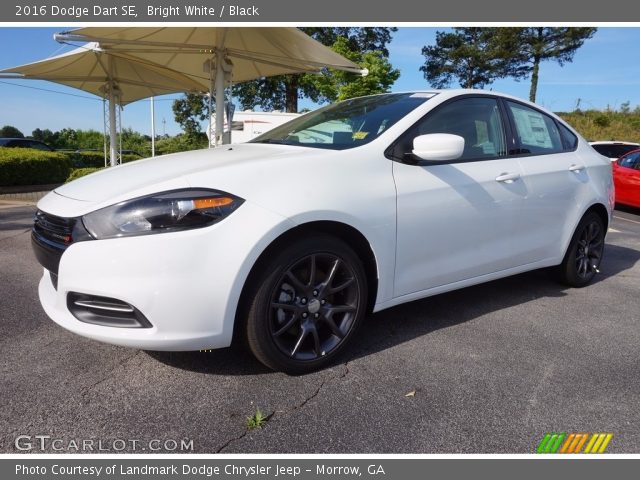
[(10, 131), (471, 56), (189, 111), (339, 85), (283, 92), (535, 45), (46, 136)]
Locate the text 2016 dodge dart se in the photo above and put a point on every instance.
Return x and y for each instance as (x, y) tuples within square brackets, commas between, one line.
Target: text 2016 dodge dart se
[(289, 240)]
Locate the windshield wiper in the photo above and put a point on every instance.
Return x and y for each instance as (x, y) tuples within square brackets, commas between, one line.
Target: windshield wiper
[(272, 141)]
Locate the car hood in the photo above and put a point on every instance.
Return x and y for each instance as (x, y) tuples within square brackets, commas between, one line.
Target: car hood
[(230, 163)]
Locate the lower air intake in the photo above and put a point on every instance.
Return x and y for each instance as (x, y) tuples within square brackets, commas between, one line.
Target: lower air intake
[(108, 312)]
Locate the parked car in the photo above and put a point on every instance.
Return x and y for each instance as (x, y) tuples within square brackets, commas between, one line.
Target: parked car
[(613, 149), (290, 239), (626, 177), (25, 143)]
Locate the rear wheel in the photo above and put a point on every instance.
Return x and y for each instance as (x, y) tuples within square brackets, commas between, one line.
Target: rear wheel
[(306, 304), (583, 257)]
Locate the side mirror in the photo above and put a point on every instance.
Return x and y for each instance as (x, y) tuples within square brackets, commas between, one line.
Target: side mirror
[(438, 147)]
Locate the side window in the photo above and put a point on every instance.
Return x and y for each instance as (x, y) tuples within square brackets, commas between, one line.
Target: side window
[(537, 133), (569, 140), (475, 119), (631, 161)]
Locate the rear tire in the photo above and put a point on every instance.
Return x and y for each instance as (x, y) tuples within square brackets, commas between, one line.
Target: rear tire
[(583, 257), (305, 304)]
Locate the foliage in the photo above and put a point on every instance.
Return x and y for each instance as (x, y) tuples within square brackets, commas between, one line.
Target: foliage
[(9, 131), (339, 85), (606, 125), (468, 55), (26, 166), (283, 92), (95, 159), (70, 139), (180, 143), (476, 56), (258, 420), (80, 172), (535, 45), (189, 111)]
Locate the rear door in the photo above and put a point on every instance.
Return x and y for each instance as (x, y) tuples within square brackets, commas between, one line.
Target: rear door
[(554, 175)]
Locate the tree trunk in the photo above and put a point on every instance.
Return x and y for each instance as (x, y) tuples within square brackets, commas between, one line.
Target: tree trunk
[(534, 79), (291, 94), (538, 47)]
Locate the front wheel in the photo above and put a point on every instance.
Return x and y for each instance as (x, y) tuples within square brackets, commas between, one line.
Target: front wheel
[(583, 257), (306, 304)]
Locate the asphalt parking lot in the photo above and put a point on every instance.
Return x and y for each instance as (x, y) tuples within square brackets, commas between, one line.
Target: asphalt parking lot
[(493, 368)]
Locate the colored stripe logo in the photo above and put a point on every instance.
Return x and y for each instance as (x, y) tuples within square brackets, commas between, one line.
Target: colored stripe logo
[(574, 443)]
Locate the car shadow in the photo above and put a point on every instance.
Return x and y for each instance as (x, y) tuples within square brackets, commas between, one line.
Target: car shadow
[(409, 321), (628, 209), (15, 219)]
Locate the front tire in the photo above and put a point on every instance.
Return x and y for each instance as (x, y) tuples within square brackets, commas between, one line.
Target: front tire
[(305, 305), (583, 257)]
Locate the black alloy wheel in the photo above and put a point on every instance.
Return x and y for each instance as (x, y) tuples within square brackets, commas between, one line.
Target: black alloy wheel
[(583, 257), (307, 308)]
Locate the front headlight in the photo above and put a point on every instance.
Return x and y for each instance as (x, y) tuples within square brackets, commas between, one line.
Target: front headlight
[(161, 212)]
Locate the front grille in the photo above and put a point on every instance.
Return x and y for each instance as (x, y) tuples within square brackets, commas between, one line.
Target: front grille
[(52, 235), (56, 231)]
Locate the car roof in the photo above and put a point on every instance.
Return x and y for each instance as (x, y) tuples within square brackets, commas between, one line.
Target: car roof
[(612, 142)]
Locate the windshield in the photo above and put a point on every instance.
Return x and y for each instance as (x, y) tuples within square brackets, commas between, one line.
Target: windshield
[(346, 124)]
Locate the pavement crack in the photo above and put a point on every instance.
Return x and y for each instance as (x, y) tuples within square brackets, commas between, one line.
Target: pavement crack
[(109, 375), (243, 434), (299, 406)]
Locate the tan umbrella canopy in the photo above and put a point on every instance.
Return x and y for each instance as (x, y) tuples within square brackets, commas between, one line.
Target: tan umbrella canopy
[(91, 68), (116, 76), (254, 52), (216, 56), (124, 64)]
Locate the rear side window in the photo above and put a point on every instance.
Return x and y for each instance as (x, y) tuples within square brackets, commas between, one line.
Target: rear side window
[(631, 161), (569, 140), (537, 132)]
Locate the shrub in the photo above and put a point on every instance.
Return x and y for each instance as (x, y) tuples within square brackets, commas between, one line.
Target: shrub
[(95, 159), (80, 172), (26, 166)]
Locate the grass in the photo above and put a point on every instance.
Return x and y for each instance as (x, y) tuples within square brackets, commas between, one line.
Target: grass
[(605, 125), (257, 420)]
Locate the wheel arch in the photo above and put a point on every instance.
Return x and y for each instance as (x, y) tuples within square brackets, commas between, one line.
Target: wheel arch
[(597, 208), (353, 237)]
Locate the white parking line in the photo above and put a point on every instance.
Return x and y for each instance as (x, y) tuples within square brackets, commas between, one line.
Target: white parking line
[(626, 219)]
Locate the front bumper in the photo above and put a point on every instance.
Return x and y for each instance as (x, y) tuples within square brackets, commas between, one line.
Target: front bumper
[(187, 284)]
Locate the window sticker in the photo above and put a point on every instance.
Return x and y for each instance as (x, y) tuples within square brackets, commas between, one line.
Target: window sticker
[(532, 128), (360, 135)]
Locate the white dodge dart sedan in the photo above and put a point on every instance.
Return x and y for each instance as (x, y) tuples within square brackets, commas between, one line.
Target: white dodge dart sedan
[(288, 241)]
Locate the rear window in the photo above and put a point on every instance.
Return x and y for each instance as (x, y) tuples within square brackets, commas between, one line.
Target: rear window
[(613, 150)]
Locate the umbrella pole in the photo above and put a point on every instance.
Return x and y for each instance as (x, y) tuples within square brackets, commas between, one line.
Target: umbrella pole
[(219, 97), (113, 128), (153, 129)]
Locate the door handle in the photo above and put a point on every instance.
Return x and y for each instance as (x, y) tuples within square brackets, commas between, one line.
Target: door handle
[(576, 168), (507, 177)]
